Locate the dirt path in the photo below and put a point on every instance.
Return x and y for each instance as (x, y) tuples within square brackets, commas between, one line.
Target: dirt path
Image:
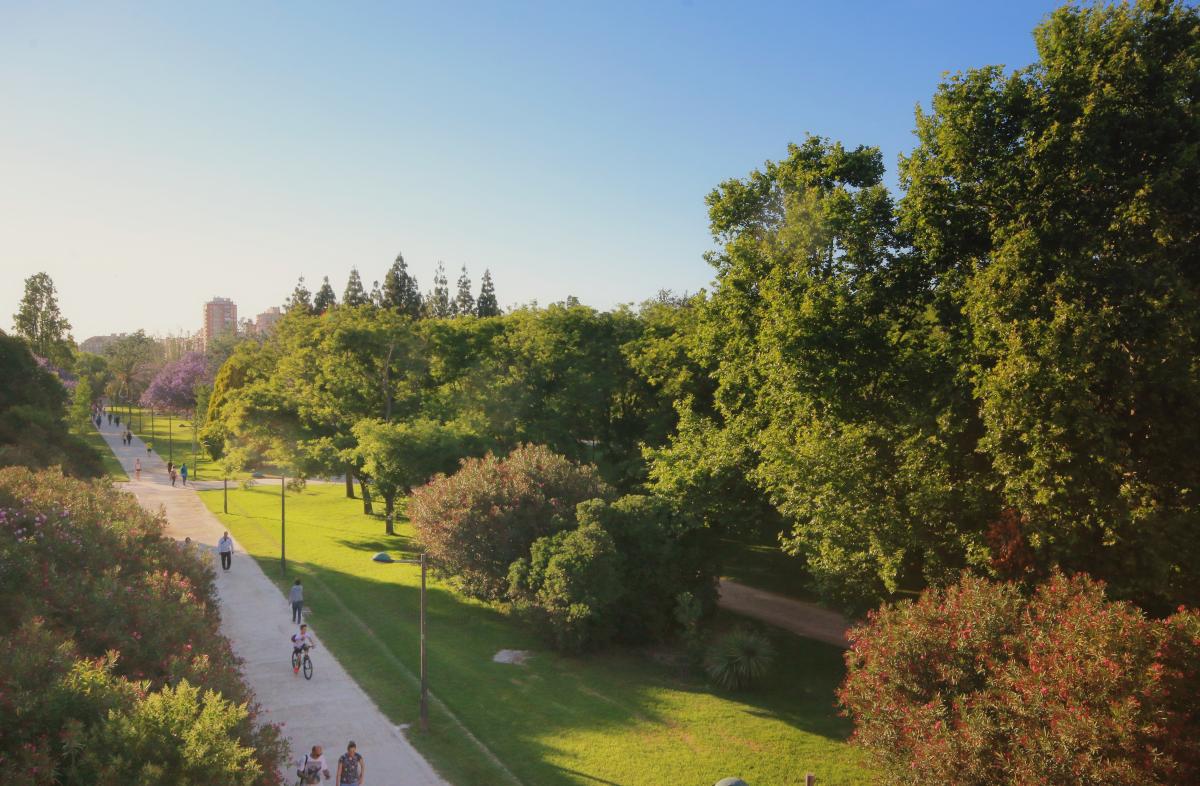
[(803, 619), (330, 709)]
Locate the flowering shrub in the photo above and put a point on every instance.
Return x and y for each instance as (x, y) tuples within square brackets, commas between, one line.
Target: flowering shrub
[(111, 648), (476, 522), (978, 684)]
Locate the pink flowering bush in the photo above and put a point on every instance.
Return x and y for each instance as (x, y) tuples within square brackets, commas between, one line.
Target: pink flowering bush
[(476, 522), (174, 386), (115, 671), (978, 684)]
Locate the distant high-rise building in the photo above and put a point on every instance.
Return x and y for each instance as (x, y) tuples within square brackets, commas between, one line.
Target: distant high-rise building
[(220, 316), (267, 319)]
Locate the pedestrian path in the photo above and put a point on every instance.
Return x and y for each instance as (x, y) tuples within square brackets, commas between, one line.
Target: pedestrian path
[(329, 710), (804, 619)]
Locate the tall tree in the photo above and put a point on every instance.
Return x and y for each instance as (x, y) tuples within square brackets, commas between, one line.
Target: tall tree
[(133, 360), (487, 305), (355, 295), (464, 301), (300, 300), (41, 323), (437, 305), (325, 299), (400, 292)]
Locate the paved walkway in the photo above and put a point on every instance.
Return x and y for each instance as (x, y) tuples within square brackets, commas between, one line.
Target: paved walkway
[(328, 710), (803, 619)]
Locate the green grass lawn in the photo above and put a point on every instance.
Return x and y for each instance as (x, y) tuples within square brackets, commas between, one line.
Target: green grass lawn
[(112, 467), (615, 717), (158, 430)]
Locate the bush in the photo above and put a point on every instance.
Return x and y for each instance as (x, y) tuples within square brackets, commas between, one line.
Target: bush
[(477, 522), (663, 553), (978, 684), (108, 620), (738, 659), (622, 570), (571, 582)]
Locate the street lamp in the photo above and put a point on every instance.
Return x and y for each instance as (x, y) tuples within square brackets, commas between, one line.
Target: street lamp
[(423, 562)]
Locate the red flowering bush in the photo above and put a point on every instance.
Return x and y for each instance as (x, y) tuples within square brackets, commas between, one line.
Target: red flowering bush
[(111, 628), (978, 684), (476, 522)]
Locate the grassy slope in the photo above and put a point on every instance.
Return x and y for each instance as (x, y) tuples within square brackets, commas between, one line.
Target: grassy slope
[(112, 467), (158, 432), (608, 718)]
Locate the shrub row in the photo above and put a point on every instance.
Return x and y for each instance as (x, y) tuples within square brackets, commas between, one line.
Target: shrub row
[(113, 669)]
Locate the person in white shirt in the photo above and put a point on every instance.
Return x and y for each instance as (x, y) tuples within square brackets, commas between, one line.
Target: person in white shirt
[(312, 766), (225, 549), (300, 642)]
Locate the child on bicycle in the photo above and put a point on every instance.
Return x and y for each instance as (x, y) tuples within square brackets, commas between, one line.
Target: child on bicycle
[(301, 642)]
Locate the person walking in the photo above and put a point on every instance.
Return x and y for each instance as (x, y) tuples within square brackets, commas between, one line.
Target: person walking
[(296, 596), (183, 472), (225, 549), (311, 766), (350, 770), (171, 471), (137, 469)]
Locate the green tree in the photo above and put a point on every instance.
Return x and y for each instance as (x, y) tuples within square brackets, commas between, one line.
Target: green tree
[(487, 305), (400, 292), (464, 301), (355, 295), (41, 323), (437, 304), (300, 299), (81, 404), (93, 368), (133, 360), (1054, 210), (399, 456), (324, 299)]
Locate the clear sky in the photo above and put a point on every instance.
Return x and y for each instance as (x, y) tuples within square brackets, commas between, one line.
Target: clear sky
[(153, 155)]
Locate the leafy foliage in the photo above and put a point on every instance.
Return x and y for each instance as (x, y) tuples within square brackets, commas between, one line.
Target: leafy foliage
[(113, 672), (40, 321), (174, 387), (977, 683), (475, 523)]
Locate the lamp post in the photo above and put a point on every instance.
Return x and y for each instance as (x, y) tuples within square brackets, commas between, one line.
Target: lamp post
[(282, 526), (171, 437), (423, 705)]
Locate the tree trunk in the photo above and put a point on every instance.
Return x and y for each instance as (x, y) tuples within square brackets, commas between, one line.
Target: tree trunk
[(349, 482), (389, 501), (365, 487)]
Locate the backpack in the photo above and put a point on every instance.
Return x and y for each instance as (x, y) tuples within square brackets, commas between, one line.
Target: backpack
[(309, 775)]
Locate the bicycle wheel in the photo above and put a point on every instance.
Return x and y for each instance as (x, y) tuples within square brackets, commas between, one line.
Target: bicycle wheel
[(295, 660), (307, 667)]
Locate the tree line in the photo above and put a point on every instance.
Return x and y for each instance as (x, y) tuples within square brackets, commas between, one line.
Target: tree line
[(400, 292)]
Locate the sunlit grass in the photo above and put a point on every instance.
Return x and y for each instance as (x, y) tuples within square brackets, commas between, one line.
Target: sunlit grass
[(615, 717), (172, 438)]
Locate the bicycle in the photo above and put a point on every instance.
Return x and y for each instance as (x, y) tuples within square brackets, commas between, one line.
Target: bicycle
[(301, 662)]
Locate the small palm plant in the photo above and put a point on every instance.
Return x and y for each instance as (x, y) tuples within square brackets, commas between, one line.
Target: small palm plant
[(739, 658)]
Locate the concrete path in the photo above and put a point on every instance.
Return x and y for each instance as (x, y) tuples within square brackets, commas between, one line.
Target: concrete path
[(803, 619), (330, 709)]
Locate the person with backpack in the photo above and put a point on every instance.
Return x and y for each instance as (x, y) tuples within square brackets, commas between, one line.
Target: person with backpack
[(311, 766), (351, 770)]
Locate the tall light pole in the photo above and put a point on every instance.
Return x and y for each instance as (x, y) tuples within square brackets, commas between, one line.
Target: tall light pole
[(171, 437), (282, 526), (424, 706)]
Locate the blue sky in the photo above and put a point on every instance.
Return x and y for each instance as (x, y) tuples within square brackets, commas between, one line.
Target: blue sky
[(154, 155)]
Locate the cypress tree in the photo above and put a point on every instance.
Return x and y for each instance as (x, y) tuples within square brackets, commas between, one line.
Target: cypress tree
[(355, 295), (325, 298), (487, 305), (438, 302), (464, 302), (400, 289), (301, 299)]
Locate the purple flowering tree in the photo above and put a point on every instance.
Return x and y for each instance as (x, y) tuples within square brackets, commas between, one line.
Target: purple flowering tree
[(174, 387)]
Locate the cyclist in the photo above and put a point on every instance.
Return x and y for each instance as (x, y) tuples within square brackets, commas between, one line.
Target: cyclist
[(301, 643)]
